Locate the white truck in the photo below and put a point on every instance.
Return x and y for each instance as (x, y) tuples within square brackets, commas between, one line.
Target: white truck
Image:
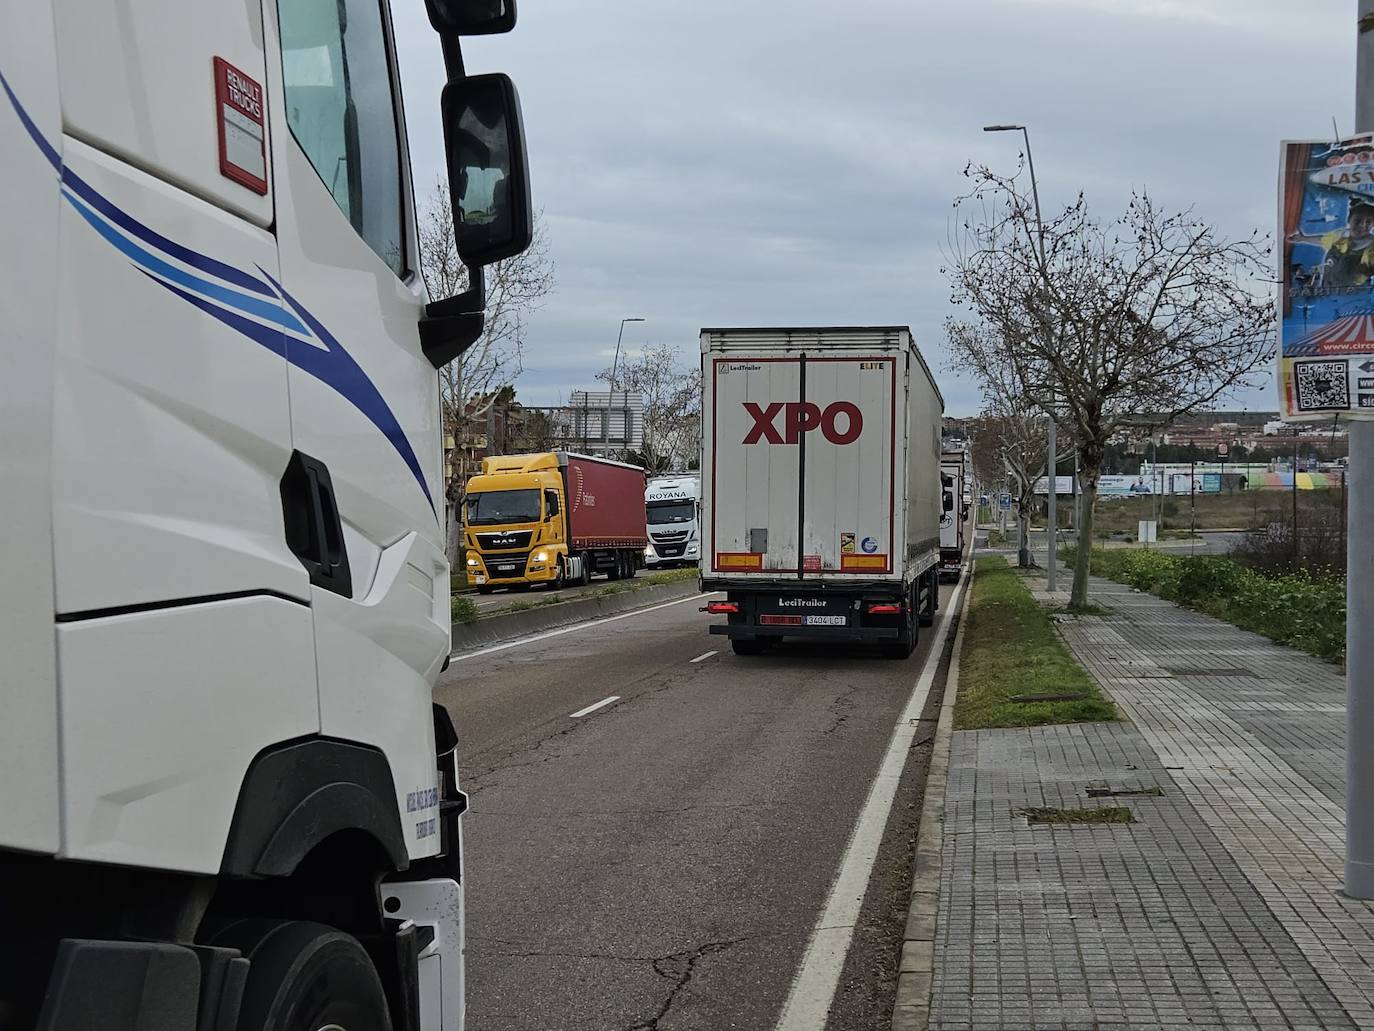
[(954, 514), (672, 512), (821, 492), (227, 800)]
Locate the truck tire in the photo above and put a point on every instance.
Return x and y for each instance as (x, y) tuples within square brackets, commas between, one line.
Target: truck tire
[(586, 576), (747, 645), (560, 579), (484, 589), (631, 565), (305, 976)]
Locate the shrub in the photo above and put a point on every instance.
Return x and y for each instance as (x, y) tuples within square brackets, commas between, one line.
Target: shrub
[(462, 609), (1305, 610)]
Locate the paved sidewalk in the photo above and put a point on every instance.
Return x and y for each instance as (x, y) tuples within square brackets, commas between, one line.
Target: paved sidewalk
[(1220, 907)]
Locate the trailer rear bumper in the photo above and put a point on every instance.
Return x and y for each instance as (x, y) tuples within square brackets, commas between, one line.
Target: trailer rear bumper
[(750, 631)]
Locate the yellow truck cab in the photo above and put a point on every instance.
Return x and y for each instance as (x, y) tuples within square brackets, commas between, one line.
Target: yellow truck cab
[(553, 518)]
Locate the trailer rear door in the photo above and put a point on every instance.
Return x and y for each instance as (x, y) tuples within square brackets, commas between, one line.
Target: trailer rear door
[(804, 441)]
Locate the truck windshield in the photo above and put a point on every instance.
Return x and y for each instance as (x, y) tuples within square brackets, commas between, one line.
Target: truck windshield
[(658, 512), (493, 507)]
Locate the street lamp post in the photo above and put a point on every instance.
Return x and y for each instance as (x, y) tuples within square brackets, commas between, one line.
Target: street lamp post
[(1052, 465), (610, 392)]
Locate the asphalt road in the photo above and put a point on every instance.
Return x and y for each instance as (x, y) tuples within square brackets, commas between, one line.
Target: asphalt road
[(658, 863)]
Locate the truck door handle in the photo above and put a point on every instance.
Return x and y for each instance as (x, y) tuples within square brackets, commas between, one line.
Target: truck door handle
[(314, 531)]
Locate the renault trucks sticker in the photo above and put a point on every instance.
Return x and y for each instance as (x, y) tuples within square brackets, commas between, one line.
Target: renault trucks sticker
[(242, 133)]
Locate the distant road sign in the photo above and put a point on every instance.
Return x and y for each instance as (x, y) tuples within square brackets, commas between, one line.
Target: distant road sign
[(1004, 502)]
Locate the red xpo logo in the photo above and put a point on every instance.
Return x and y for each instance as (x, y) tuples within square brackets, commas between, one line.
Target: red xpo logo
[(800, 417)]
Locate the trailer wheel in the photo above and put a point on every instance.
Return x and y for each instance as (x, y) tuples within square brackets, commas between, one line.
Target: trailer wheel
[(747, 645), (305, 976), (631, 565), (617, 569)]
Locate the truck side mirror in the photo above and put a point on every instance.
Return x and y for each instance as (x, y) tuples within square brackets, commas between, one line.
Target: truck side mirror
[(472, 17), (488, 174)]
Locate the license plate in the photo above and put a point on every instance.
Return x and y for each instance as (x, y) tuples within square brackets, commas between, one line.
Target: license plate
[(505, 569), (827, 620)]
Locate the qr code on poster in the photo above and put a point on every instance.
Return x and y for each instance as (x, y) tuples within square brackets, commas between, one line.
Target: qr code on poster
[(1322, 385)]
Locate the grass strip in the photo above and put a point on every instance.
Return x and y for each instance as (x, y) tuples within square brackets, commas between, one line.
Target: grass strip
[(1011, 649)]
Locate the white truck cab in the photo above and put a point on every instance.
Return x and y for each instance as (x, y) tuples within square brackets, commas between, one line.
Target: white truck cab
[(227, 799), (672, 514)]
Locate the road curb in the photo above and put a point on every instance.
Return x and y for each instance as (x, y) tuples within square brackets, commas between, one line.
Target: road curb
[(505, 626), (916, 970)]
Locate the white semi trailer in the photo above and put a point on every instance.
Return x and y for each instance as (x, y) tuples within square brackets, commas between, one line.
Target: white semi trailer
[(954, 482), (227, 800), (821, 489)]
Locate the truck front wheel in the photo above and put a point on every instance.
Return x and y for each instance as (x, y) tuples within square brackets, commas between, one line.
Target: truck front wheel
[(305, 976)]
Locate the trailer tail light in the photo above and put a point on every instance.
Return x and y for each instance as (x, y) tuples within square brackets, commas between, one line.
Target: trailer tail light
[(772, 620), (721, 608), (883, 608)]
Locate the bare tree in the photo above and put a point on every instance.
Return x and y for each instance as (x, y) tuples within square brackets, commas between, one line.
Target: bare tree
[(1149, 316), (1011, 438), (516, 288), (672, 405)]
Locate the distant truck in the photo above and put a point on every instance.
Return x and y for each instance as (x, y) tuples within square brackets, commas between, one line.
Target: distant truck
[(821, 487), (553, 518), (953, 513), (672, 508)]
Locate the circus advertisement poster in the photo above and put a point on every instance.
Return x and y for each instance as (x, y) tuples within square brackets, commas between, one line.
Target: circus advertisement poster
[(1326, 279)]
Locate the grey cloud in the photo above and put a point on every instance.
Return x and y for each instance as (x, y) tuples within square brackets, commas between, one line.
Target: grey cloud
[(714, 162)]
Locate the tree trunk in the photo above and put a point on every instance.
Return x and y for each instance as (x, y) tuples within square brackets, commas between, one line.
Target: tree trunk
[(1088, 503)]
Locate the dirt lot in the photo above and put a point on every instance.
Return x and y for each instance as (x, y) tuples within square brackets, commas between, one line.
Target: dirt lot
[(1214, 511)]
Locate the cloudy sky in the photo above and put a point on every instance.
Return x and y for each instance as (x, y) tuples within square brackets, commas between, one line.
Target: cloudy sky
[(793, 162)]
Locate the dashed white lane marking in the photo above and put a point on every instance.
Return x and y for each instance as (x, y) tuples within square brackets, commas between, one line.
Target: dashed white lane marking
[(545, 635), (813, 989), (592, 708), (703, 657)]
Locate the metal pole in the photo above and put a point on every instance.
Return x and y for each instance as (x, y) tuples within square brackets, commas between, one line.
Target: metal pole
[(1192, 502), (1359, 578), (610, 392), (1296, 551), (1051, 529), (1051, 565), (1359, 656)]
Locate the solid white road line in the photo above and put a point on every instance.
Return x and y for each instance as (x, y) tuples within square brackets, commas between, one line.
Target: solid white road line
[(545, 635), (813, 989), (592, 708), (703, 657)]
